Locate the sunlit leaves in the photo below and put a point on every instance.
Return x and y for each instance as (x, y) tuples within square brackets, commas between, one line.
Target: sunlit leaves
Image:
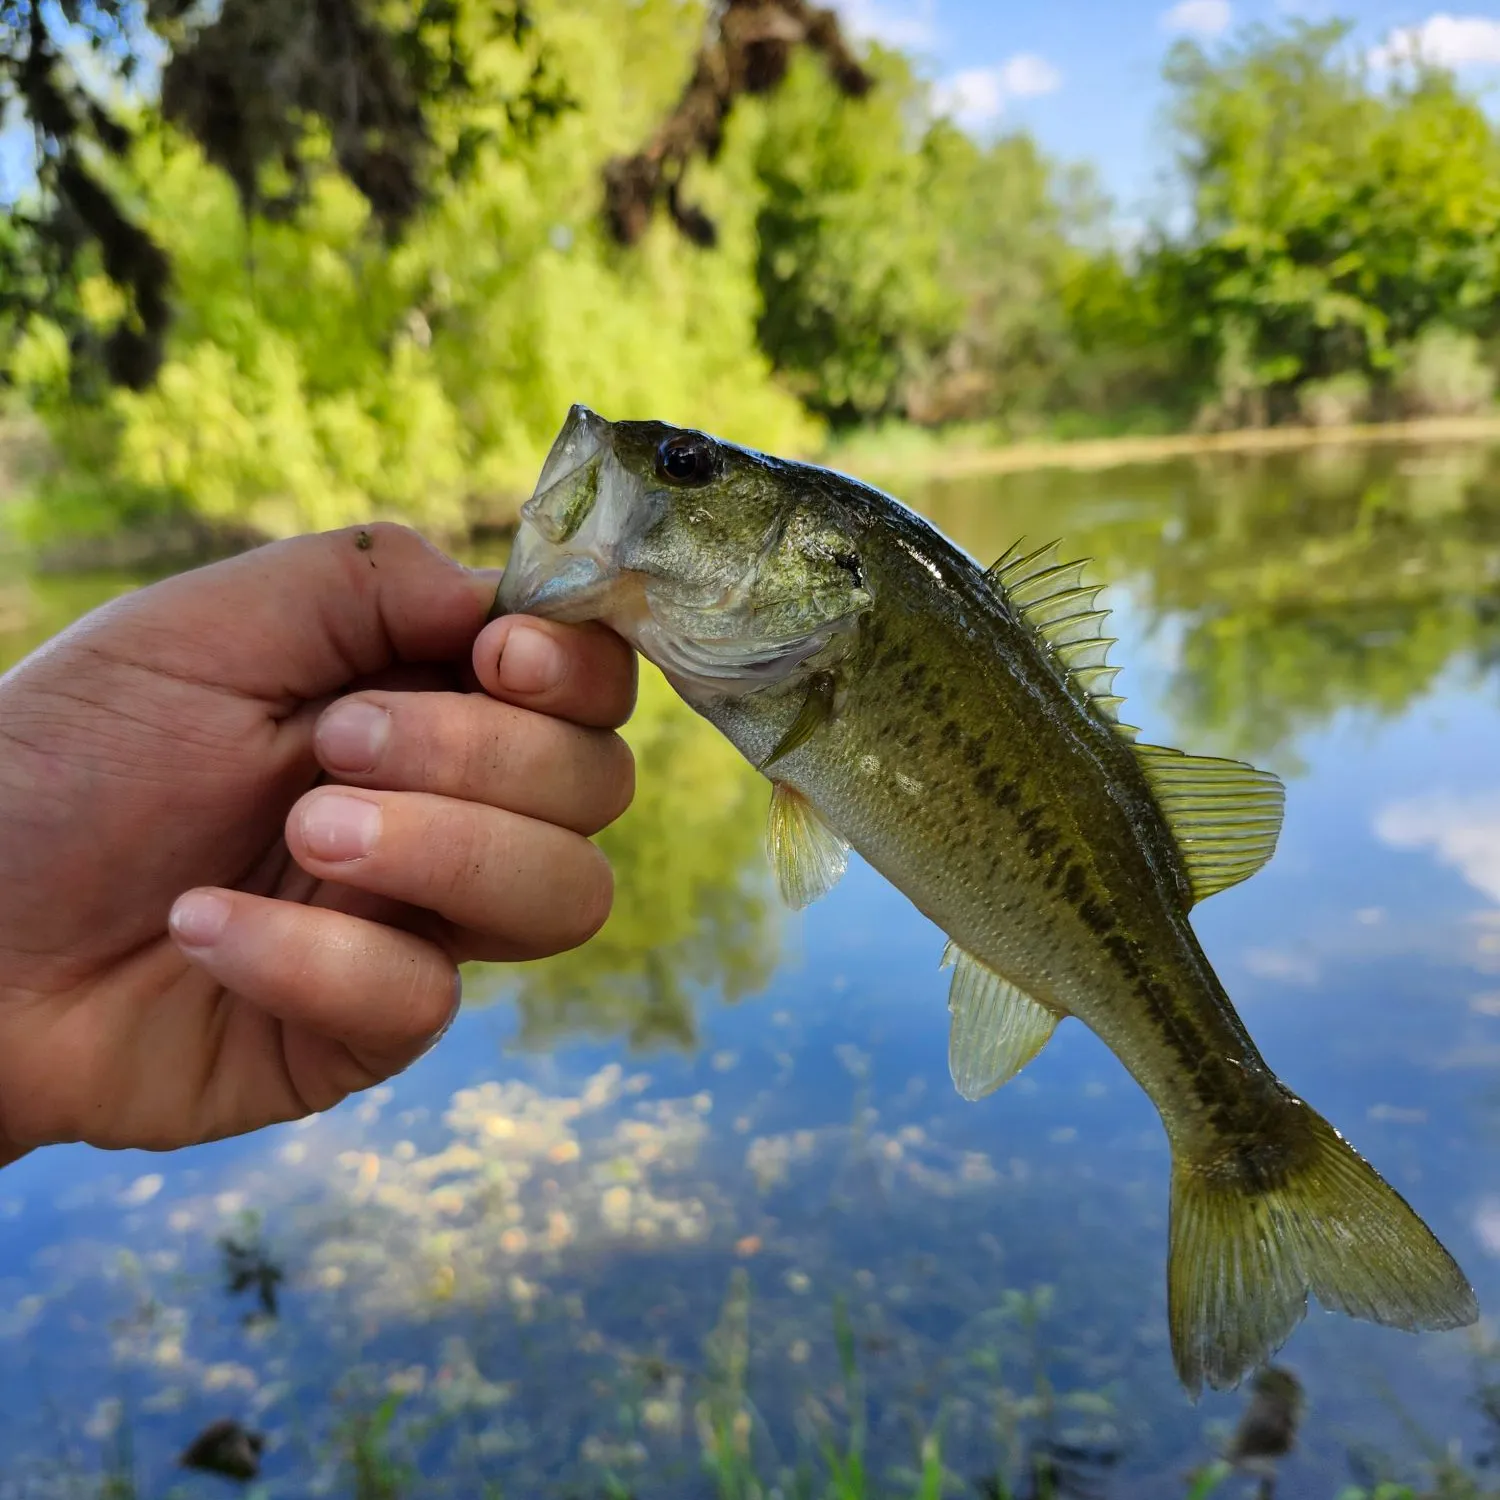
[(1337, 215)]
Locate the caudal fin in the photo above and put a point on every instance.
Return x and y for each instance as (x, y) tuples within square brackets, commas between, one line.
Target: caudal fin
[(1255, 1229)]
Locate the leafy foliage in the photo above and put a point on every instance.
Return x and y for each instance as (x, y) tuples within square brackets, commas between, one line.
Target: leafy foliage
[(317, 372), (385, 306), (1337, 215), (905, 268), (247, 82)]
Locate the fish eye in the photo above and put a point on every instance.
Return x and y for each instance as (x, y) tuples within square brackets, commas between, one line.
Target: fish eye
[(686, 458)]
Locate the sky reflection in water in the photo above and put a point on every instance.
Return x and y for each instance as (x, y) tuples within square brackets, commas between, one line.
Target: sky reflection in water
[(532, 1234)]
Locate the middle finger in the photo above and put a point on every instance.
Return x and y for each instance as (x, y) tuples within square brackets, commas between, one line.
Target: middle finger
[(472, 748)]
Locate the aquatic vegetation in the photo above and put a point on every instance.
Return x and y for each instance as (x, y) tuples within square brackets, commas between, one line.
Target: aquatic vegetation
[(249, 1266)]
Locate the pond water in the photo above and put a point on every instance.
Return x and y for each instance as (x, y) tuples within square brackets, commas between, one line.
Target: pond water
[(697, 1200)]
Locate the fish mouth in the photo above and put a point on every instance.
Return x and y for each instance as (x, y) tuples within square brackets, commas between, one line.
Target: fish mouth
[(560, 565)]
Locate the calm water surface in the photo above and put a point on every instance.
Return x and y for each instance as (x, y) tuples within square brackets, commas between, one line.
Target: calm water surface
[(643, 1192)]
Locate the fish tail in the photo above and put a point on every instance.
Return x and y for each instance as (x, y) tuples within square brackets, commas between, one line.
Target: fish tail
[(1258, 1225)]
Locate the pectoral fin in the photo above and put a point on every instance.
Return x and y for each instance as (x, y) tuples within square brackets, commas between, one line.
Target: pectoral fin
[(807, 855), (996, 1029), (816, 710)]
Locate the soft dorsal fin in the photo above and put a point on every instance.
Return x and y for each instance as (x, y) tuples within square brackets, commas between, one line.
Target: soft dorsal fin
[(1053, 600), (1225, 815), (807, 855), (996, 1028)]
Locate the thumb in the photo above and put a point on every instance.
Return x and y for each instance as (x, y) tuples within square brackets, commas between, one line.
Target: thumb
[(298, 619)]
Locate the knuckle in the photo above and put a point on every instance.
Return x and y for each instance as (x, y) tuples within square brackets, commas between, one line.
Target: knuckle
[(523, 751), (470, 753), (449, 750), (418, 995)]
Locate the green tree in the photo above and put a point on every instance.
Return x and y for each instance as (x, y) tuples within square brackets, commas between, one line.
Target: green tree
[(245, 79), (905, 267), (848, 261), (1009, 218), (318, 371), (1337, 215)]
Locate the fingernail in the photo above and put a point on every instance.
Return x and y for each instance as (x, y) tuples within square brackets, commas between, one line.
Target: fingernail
[(199, 918), (447, 1026), (338, 828), (351, 736), (530, 661)]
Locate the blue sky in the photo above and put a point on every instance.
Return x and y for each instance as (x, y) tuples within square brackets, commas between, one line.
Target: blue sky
[(1084, 75)]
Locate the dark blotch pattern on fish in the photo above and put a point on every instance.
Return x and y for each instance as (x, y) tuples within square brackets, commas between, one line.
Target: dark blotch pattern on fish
[(892, 670)]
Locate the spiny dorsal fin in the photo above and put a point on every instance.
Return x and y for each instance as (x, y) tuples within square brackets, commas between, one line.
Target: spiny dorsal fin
[(1224, 814), (1053, 600), (808, 856), (996, 1029)]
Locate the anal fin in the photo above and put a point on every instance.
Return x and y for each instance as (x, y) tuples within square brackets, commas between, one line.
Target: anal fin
[(807, 855), (996, 1029)]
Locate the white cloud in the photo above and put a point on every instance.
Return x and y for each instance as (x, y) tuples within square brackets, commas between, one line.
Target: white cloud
[(908, 25), (1202, 17), (1464, 834), (142, 1190), (972, 97), (976, 97), (1283, 965), (1026, 75), (1449, 41), (1487, 1225)]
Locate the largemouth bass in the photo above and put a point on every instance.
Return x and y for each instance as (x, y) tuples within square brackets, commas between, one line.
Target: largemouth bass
[(956, 726)]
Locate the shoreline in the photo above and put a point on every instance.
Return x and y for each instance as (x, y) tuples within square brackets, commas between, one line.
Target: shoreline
[(183, 541), (1118, 452)]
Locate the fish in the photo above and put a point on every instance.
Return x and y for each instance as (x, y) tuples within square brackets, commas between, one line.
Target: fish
[(956, 726)]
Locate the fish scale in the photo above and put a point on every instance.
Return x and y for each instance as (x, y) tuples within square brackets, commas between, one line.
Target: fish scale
[(990, 771), (959, 729)]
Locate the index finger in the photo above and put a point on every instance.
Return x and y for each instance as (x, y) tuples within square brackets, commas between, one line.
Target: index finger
[(583, 673)]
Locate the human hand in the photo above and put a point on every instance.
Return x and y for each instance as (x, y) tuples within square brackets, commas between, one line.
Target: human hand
[(165, 755)]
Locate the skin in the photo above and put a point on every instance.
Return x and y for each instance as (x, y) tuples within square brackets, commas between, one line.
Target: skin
[(192, 944)]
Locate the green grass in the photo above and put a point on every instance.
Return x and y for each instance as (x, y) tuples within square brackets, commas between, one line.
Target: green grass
[(375, 1442)]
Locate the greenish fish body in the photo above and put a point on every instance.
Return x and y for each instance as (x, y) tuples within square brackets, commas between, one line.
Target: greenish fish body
[(955, 725)]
